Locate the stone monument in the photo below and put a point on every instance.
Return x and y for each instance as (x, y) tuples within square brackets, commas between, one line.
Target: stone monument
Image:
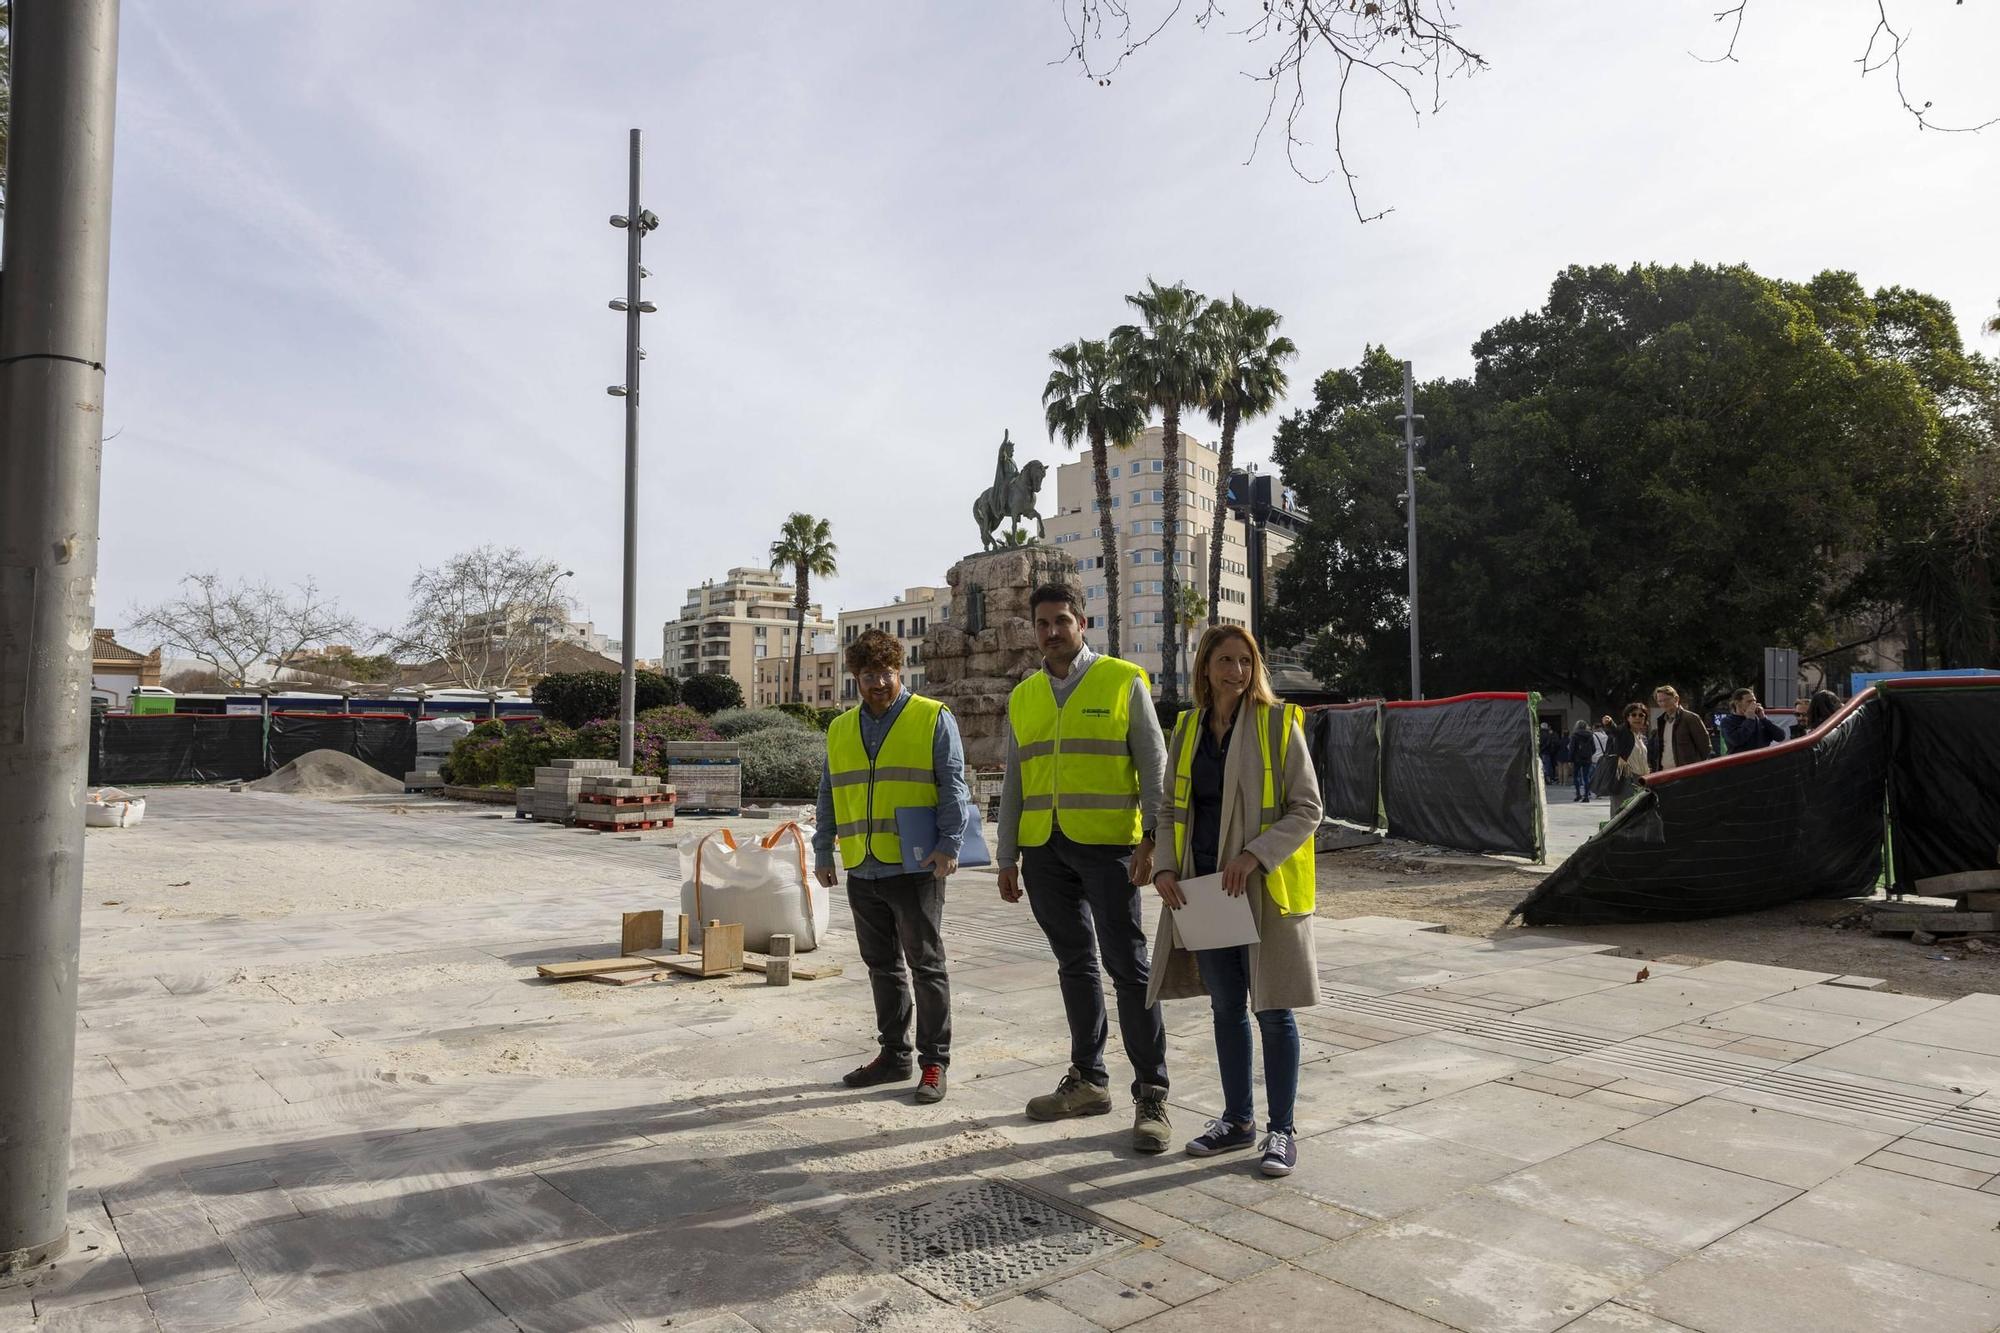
[(973, 660)]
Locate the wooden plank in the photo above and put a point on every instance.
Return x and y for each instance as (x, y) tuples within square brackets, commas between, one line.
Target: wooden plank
[(640, 931), (722, 947), (800, 971), (681, 933), (584, 967), (1936, 923), (1981, 901), (1957, 885), (625, 978)]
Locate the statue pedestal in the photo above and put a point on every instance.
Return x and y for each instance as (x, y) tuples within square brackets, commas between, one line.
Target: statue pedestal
[(973, 663)]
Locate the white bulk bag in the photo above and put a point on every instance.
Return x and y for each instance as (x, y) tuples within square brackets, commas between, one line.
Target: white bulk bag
[(109, 807), (765, 884)]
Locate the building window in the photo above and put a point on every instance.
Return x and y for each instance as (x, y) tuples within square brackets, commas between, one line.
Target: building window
[(1114, 469), (899, 630), (1159, 497), (1157, 464)]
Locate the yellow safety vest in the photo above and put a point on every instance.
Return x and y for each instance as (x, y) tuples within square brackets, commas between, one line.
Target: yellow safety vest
[(1077, 772), (1291, 884), (867, 792)]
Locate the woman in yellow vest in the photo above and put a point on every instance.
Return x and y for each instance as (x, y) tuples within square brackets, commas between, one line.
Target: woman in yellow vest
[(1244, 802)]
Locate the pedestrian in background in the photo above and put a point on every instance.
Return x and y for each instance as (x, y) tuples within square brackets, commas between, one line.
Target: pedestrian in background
[(1823, 705), (1745, 727), (1583, 749), (1549, 742), (1678, 738), (1630, 752)]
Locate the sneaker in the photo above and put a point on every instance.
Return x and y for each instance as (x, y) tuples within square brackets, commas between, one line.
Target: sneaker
[(884, 1068), (1219, 1137), (1281, 1153), (1075, 1095), (1150, 1128), (930, 1088)]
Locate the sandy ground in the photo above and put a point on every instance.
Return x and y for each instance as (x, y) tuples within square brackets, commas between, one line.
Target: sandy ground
[(1472, 897)]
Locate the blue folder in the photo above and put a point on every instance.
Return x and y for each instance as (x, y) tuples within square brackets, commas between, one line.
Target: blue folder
[(916, 825)]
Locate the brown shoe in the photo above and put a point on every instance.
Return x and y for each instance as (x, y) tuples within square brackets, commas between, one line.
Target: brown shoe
[(1074, 1096), (1151, 1130), (883, 1068)]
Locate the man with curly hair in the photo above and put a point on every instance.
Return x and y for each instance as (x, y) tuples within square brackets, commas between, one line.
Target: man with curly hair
[(892, 751)]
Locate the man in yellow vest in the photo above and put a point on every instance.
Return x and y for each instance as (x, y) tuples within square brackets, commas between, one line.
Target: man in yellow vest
[(894, 751), (1085, 763)]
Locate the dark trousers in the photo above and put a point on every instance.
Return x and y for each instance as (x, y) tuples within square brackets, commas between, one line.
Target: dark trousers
[(896, 919), (1226, 974), (1085, 902)]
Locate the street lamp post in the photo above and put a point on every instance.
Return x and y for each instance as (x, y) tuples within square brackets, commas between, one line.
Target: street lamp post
[(636, 222), (52, 308), (1409, 418)]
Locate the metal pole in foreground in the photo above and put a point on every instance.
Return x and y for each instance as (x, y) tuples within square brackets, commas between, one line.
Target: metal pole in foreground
[(1410, 420), (628, 686), (57, 261)]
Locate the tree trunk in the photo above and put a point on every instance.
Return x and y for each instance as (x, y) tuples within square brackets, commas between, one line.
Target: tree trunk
[(798, 631), (1170, 446), (1224, 460), (1107, 530)]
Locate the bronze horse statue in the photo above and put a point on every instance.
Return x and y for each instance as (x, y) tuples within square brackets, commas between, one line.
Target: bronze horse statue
[(1011, 500)]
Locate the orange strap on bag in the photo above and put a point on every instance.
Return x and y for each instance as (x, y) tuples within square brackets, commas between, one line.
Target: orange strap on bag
[(767, 843)]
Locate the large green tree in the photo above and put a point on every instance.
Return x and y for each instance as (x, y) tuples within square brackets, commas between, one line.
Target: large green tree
[(1651, 478), (1087, 397), (1250, 356), (1170, 360), (805, 544)]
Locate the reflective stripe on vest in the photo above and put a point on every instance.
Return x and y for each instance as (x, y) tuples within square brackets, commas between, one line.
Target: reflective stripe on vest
[(867, 793), (1291, 885), (1077, 772)]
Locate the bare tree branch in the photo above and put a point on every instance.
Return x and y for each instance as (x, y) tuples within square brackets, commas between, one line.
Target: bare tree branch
[(1729, 52), (484, 614), (238, 628), (1403, 43)]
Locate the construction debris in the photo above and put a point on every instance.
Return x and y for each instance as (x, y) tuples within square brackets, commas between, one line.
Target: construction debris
[(721, 952)]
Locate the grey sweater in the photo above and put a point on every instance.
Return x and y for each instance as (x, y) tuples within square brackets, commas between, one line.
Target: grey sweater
[(1142, 737)]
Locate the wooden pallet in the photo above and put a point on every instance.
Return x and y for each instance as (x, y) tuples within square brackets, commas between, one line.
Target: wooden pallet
[(648, 798), (630, 826)]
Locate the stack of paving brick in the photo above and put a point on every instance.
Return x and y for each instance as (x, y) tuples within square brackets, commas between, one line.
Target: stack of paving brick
[(708, 775), (622, 802), (558, 786)]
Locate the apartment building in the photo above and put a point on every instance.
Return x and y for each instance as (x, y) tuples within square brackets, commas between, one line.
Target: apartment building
[(1138, 509), (908, 617), (819, 668), (731, 625)]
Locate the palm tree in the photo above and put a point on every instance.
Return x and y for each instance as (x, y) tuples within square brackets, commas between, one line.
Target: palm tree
[(1086, 398), (1252, 380), (1172, 366), (1186, 616), (806, 544)]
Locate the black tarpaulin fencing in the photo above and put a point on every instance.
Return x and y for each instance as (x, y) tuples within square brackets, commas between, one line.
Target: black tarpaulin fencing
[(1802, 819), (1461, 773), (385, 742), (1944, 784), (175, 747), (1347, 752)]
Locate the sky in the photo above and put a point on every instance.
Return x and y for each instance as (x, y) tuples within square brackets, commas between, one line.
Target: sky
[(360, 256)]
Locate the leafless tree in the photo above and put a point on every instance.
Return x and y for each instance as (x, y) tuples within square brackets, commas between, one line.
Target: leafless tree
[(1412, 46), (485, 614), (236, 627)]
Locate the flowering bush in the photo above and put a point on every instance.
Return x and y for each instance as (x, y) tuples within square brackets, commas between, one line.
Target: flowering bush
[(474, 760)]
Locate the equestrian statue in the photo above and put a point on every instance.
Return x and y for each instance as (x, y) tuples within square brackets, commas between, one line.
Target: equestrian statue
[(1011, 497)]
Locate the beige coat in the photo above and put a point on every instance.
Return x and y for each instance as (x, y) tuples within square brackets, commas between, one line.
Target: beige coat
[(1284, 967)]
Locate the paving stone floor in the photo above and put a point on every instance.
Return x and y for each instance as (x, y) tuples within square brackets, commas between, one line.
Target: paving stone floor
[(1501, 1136)]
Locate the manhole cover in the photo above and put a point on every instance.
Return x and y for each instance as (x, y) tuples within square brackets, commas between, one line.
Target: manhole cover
[(983, 1240)]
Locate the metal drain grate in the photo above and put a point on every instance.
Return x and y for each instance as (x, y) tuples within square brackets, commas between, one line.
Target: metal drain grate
[(1019, 939), (977, 1242), (1457, 1018)]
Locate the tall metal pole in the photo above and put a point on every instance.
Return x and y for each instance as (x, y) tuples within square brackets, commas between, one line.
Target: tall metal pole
[(1410, 420), (56, 263), (628, 687)]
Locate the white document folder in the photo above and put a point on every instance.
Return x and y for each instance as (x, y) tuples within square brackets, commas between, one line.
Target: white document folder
[(1212, 919)]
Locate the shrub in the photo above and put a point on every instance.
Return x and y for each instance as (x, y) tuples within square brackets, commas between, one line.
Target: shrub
[(575, 697), (711, 692), (530, 745), (474, 760), (804, 712), (827, 715), (783, 763), (733, 723), (661, 725)]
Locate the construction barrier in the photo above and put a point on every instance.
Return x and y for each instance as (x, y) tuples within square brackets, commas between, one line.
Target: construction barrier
[(217, 747), (1458, 772), (1908, 765)]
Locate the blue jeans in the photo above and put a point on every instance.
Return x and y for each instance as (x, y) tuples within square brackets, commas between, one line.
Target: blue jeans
[(1226, 974), (1583, 771)]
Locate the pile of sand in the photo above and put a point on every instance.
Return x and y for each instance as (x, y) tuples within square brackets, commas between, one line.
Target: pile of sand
[(327, 773)]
